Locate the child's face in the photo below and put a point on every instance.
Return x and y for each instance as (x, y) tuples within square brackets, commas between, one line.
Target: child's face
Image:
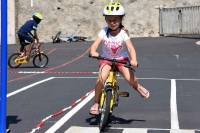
[(113, 21)]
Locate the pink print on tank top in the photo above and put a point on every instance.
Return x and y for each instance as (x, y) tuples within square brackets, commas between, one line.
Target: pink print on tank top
[(114, 46)]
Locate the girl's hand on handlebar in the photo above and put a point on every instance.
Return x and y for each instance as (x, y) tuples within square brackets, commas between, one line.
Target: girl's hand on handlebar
[(134, 63), (94, 54)]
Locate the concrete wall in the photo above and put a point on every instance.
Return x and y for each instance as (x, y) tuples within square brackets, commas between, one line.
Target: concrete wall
[(83, 17), (11, 22)]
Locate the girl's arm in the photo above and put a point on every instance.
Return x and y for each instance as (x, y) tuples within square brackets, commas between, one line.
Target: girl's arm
[(37, 39), (36, 36), (94, 46), (132, 53)]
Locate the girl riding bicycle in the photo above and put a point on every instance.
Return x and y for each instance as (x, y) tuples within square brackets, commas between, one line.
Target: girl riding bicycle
[(116, 44)]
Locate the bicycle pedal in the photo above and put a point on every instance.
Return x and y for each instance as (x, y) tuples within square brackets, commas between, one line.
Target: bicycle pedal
[(123, 94), (115, 105)]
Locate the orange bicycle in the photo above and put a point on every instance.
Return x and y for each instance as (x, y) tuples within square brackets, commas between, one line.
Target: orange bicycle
[(39, 58)]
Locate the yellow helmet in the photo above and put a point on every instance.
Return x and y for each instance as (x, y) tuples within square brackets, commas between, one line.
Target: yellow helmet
[(38, 15), (114, 8)]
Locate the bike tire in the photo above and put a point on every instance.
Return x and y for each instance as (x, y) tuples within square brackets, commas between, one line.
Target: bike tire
[(40, 60), (105, 112), (11, 60)]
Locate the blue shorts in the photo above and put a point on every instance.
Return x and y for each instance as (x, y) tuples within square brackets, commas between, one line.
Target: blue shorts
[(25, 37)]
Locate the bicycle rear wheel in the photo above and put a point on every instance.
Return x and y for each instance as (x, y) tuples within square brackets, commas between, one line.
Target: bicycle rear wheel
[(105, 109), (40, 60), (11, 60)]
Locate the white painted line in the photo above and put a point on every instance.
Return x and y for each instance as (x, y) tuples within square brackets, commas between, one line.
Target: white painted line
[(30, 72), (173, 105), (76, 129), (154, 78), (197, 43), (72, 112), (33, 72), (135, 130), (75, 77), (177, 56), (182, 131), (27, 87), (140, 128), (189, 79)]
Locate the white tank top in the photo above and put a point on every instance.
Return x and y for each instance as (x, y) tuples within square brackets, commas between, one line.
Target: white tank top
[(114, 47)]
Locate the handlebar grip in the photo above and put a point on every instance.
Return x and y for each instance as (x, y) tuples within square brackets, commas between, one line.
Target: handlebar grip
[(96, 57)]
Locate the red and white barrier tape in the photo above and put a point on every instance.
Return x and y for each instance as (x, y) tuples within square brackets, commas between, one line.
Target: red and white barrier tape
[(42, 122)]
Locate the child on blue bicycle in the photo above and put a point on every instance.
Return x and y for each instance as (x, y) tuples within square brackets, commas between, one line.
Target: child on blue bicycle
[(27, 33), (116, 44)]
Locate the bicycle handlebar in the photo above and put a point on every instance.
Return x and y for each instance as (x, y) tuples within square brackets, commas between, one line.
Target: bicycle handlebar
[(126, 64)]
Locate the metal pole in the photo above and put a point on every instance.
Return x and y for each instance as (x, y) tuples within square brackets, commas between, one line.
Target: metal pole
[(3, 65)]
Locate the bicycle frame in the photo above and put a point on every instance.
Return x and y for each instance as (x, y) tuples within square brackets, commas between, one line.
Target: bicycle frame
[(30, 49), (112, 83), (25, 59)]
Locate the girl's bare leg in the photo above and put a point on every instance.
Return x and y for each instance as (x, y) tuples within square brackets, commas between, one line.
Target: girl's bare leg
[(103, 74), (129, 76)]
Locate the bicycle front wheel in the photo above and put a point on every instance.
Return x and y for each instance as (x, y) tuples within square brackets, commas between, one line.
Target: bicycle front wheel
[(11, 60), (105, 109), (40, 60)]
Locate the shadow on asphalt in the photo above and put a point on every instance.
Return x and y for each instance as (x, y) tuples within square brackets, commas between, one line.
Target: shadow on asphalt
[(12, 119), (94, 120), (119, 120)]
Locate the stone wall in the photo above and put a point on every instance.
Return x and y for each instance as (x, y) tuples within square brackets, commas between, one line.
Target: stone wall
[(84, 17)]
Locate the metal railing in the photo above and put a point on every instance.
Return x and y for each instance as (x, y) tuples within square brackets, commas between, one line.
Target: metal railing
[(179, 21)]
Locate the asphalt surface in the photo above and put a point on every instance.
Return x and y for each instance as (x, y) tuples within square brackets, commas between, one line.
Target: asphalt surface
[(166, 64)]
